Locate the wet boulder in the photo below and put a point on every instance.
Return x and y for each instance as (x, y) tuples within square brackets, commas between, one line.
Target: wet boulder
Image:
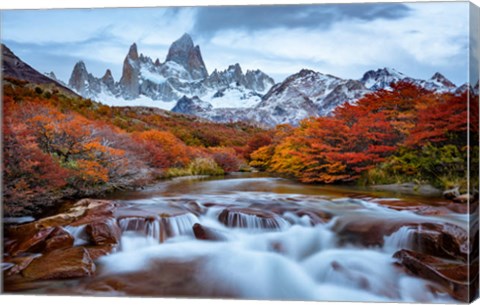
[(366, 231), (59, 239), (94, 211), (61, 264), (96, 252), (205, 233), (452, 193), (19, 263), (250, 219), (27, 240), (160, 222), (450, 275), (444, 240), (104, 232)]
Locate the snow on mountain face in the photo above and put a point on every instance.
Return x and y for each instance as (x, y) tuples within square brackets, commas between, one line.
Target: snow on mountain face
[(383, 78), (182, 84), (182, 74), (306, 94), (183, 52)]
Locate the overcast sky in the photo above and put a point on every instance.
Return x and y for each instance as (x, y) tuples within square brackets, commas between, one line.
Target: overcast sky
[(345, 40)]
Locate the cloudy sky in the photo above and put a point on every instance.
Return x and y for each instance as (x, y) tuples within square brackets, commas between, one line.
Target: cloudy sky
[(345, 40)]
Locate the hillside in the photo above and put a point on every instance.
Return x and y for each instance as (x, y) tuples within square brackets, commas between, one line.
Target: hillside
[(68, 147)]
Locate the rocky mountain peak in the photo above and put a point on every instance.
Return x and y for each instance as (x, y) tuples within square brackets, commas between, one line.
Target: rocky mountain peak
[(235, 68), (133, 52), (183, 52), (183, 43), (80, 67), (191, 106), (79, 77), (384, 72), (130, 74), (442, 80), (258, 81), (304, 72), (107, 75), (108, 80), (381, 78), (51, 75)]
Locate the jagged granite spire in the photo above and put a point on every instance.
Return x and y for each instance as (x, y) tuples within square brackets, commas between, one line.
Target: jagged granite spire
[(108, 80), (133, 52), (130, 74), (184, 53), (79, 78)]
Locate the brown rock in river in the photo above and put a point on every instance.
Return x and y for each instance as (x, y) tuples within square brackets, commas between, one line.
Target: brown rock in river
[(19, 263), (452, 276), (59, 239), (96, 252), (250, 218), (61, 264), (105, 232), (205, 233), (23, 242)]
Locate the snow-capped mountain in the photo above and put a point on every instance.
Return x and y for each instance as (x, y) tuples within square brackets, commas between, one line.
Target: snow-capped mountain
[(183, 73), (383, 78), (307, 93), (182, 84)]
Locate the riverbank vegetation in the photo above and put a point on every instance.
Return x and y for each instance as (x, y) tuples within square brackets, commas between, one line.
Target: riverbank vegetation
[(57, 146), (407, 134)]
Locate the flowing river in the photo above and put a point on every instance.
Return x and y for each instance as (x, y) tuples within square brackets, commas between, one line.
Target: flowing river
[(258, 237)]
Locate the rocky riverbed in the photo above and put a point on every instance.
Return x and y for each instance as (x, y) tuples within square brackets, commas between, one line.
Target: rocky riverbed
[(247, 237)]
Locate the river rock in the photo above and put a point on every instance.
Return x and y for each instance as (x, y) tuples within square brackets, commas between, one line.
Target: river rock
[(61, 264), (205, 233), (96, 252), (451, 193), (23, 242), (19, 263), (59, 239), (366, 231), (160, 222), (316, 216), (250, 218), (94, 211), (452, 276), (445, 240), (104, 232), (44, 249)]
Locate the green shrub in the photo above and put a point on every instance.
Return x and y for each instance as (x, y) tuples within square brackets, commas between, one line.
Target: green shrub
[(442, 166), (205, 166), (199, 166)]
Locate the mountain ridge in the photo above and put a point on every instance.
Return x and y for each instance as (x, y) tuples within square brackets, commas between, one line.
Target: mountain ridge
[(14, 67), (227, 95), (183, 73)]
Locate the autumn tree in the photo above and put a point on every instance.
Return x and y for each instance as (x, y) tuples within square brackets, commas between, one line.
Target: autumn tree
[(29, 174), (163, 148)]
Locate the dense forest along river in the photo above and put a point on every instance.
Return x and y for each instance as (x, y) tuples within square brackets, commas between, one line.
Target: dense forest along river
[(258, 237)]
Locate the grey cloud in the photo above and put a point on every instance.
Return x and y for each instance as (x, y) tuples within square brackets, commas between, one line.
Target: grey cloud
[(213, 19)]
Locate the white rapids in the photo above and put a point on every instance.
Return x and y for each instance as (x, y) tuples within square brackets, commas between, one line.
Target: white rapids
[(296, 261)]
